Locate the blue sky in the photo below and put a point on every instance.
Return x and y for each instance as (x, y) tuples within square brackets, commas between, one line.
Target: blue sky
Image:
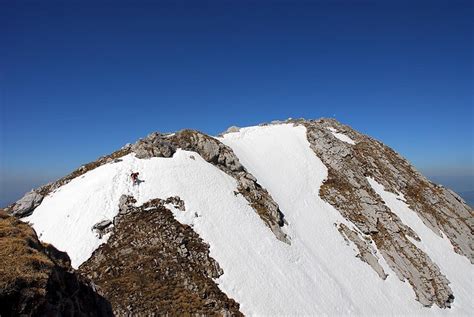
[(79, 79)]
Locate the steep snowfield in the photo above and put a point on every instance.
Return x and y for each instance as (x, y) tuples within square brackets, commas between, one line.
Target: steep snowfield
[(317, 274)]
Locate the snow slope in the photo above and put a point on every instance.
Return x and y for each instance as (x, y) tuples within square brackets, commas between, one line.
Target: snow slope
[(318, 274)]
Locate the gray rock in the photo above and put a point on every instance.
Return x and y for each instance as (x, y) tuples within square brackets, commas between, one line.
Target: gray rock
[(366, 251), (102, 225), (25, 206), (126, 203), (177, 202), (230, 129)]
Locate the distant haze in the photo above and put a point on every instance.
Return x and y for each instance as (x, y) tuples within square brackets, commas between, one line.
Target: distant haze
[(461, 184)]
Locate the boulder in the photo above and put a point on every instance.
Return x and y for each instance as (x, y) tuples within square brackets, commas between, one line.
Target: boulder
[(25, 206)]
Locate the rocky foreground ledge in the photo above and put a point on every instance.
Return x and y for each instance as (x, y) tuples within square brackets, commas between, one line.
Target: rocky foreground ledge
[(37, 279)]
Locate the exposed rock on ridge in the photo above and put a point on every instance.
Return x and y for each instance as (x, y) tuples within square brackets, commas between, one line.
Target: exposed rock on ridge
[(37, 279), (348, 190), (154, 265), (440, 209)]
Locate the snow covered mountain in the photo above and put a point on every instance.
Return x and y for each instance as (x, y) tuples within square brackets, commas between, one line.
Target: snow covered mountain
[(302, 217)]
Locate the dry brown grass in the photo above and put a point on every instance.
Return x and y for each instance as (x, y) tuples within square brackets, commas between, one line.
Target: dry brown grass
[(36, 279), (22, 261)]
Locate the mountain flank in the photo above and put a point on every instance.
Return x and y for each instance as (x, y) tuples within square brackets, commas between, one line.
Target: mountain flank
[(295, 217)]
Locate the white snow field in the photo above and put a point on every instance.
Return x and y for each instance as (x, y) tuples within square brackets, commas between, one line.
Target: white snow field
[(341, 136), (318, 274)]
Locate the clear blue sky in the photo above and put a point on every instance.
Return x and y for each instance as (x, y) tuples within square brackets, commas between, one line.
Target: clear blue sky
[(80, 79)]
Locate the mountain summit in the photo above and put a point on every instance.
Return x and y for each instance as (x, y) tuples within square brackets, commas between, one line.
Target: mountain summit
[(295, 217)]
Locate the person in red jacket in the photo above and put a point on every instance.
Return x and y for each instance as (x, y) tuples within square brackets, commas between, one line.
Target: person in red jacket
[(134, 177)]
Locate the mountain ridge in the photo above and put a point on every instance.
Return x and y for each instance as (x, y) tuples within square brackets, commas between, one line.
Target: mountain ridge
[(360, 172)]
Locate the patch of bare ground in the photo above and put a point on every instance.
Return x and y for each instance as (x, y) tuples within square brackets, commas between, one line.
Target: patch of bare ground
[(152, 264)]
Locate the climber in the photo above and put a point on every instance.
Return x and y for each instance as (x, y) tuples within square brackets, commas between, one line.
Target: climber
[(134, 177)]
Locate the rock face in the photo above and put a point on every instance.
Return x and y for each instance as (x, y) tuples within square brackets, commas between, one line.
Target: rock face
[(103, 227), (366, 251), (152, 264), (27, 204), (348, 190), (220, 155), (37, 279)]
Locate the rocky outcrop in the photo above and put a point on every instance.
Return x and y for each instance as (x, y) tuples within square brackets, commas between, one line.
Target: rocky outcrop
[(37, 279), (102, 228), (348, 190), (440, 209), (154, 265), (221, 156), (102, 225), (27, 203), (366, 251)]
